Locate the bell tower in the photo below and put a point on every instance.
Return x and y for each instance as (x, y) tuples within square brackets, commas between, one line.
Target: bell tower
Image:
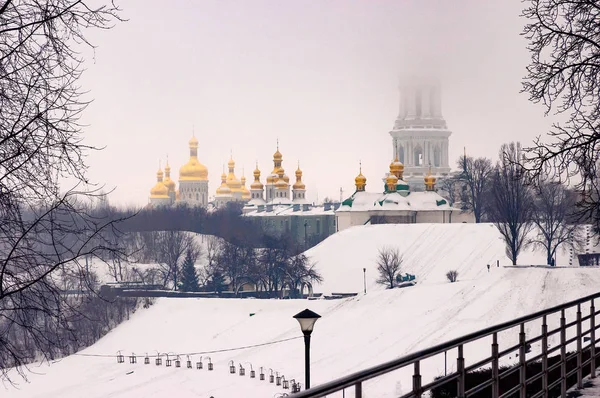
[(420, 135)]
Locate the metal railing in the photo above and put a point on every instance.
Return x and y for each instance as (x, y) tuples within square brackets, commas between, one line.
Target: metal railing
[(355, 382)]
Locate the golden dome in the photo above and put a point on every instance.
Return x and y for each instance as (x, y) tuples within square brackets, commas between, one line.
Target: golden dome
[(299, 184), (256, 184), (397, 168), (391, 182), (193, 170), (170, 184), (271, 179), (360, 181), (232, 181), (245, 192), (281, 184), (159, 191), (277, 155), (223, 189), (429, 181)]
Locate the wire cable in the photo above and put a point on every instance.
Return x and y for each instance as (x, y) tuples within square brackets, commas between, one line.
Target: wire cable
[(193, 353)]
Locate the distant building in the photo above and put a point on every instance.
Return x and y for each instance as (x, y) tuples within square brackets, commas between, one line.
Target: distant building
[(193, 183), (420, 135), (280, 213), (397, 204)]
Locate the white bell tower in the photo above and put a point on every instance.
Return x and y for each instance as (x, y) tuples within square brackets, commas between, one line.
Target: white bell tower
[(420, 135)]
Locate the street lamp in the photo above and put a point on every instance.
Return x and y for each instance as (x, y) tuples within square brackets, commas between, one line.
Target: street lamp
[(365, 279), (307, 320)]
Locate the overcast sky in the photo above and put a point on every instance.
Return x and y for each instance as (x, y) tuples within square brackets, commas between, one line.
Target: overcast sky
[(321, 76)]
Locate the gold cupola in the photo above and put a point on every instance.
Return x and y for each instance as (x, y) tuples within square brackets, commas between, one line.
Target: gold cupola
[(391, 182), (360, 181), (169, 183), (245, 192), (429, 181), (159, 191), (299, 184), (232, 181), (223, 189), (193, 170), (256, 184), (397, 168)]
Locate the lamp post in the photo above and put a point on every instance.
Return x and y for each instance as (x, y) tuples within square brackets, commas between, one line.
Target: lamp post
[(365, 279), (307, 320)]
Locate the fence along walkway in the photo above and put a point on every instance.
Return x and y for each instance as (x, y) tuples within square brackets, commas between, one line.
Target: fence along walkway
[(353, 383)]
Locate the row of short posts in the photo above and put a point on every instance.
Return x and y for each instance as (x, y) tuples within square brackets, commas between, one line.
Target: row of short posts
[(273, 378), (168, 361)]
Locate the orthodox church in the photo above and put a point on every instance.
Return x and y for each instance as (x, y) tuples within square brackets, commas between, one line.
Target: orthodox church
[(193, 182), (420, 135), (276, 191), (397, 204), (193, 185)]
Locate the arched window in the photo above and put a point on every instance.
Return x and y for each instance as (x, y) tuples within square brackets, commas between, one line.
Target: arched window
[(436, 156), (418, 156), (401, 153)]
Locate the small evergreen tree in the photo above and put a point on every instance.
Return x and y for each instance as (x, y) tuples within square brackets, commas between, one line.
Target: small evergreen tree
[(189, 277)]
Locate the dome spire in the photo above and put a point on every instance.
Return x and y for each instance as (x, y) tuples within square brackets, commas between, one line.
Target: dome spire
[(429, 181), (360, 181)]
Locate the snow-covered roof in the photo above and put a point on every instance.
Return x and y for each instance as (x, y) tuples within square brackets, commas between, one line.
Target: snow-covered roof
[(395, 201)]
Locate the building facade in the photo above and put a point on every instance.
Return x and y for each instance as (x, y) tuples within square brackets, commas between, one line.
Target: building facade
[(420, 135), (397, 204), (193, 183)]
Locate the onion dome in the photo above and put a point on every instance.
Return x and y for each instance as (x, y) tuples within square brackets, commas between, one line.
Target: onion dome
[(223, 189), (277, 155), (245, 192), (159, 191), (281, 184), (256, 184), (397, 168), (429, 181), (272, 179), (360, 181), (193, 170), (391, 182), (170, 184), (232, 182), (299, 184)]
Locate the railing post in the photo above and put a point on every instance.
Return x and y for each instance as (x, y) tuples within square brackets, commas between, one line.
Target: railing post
[(563, 354), (495, 369), (358, 390), (579, 349), (460, 368), (544, 357), (593, 340), (417, 380), (522, 374)]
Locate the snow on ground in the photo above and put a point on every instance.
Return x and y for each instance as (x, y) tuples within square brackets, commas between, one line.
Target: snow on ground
[(352, 334)]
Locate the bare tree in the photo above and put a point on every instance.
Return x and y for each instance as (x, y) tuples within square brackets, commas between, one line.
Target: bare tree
[(563, 75), (511, 207), (300, 271), (231, 264), (553, 205), (476, 175), (44, 228), (450, 186), (171, 250), (389, 262), (452, 275)]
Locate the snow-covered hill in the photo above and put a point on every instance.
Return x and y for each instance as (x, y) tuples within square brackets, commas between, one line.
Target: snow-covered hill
[(353, 333)]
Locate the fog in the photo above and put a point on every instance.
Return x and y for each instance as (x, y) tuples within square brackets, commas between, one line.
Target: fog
[(320, 76)]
